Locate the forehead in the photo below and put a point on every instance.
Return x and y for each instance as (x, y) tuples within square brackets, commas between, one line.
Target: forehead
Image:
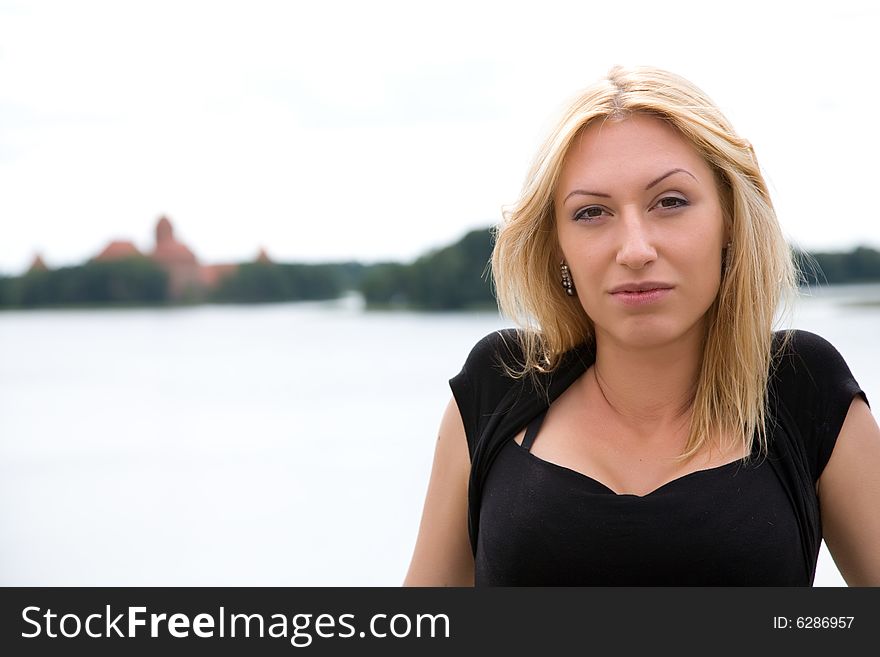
[(634, 150)]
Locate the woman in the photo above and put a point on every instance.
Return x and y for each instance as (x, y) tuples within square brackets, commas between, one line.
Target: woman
[(646, 426)]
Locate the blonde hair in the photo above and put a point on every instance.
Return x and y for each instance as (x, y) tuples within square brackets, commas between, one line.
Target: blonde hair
[(731, 390)]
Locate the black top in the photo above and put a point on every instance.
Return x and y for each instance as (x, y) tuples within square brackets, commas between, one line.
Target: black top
[(533, 522)]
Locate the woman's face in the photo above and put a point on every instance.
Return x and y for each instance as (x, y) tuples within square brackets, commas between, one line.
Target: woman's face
[(639, 222)]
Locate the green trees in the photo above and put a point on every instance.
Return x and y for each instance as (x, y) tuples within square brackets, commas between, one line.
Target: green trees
[(258, 282), (386, 284), (131, 281), (451, 278), (862, 265)]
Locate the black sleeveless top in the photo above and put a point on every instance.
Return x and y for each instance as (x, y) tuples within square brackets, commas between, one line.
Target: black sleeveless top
[(535, 523)]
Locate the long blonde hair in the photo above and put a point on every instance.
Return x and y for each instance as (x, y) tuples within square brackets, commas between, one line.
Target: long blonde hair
[(758, 271)]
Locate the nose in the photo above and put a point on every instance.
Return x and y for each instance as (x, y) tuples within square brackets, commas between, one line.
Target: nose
[(636, 248)]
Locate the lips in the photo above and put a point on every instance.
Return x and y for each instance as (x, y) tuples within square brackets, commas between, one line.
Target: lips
[(646, 297), (643, 286)]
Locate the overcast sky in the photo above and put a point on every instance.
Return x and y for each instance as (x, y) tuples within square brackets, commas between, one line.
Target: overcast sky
[(377, 130)]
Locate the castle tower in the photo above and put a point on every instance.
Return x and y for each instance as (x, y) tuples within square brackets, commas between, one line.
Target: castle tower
[(263, 257), (164, 231), (38, 264), (184, 271)]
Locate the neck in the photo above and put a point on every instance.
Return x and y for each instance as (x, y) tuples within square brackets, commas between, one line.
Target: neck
[(651, 387)]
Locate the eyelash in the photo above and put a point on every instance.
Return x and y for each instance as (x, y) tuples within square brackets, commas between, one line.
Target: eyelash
[(581, 215)]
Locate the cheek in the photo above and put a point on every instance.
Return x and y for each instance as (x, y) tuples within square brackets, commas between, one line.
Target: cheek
[(589, 282), (706, 269), (703, 242), (586, 271)]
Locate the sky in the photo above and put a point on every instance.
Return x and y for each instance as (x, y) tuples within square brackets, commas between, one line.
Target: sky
[(329, 131)]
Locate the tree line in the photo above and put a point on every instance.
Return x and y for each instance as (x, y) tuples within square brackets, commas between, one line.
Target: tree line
[(455, 277), (138, 281), (861, 265)]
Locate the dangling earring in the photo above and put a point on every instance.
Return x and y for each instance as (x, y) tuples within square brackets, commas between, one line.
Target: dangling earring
[(567, 283)]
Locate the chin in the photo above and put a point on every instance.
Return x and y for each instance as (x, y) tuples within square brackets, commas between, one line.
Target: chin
[(647, 334)]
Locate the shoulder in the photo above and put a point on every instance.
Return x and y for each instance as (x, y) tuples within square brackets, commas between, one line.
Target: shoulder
[(812, 388), (496, 351), (810, 364), (808, 358), (486, 371), (805, 345), (485, 379), (808, 361)]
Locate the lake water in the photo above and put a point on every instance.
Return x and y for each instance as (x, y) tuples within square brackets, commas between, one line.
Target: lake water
[(274, 445)]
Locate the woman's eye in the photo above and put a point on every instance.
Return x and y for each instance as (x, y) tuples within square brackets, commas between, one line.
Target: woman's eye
[(589, 213), (668, 202)]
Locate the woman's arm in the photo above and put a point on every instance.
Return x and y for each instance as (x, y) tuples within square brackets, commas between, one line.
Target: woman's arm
[(442, 556), (849, 498)]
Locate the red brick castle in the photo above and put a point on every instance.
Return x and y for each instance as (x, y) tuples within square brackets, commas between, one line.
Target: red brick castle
[(187, 278)]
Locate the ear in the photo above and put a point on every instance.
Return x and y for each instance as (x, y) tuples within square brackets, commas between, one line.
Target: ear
[(726, 231), (558, 255)]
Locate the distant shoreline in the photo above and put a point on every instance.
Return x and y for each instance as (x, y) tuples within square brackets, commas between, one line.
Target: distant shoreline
[(354, 299), (451, 278)]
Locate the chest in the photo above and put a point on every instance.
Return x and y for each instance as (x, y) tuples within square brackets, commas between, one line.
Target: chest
[(624, 464), (545, 524)]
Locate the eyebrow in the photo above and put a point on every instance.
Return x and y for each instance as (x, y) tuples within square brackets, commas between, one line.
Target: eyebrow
[(656, 181)]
